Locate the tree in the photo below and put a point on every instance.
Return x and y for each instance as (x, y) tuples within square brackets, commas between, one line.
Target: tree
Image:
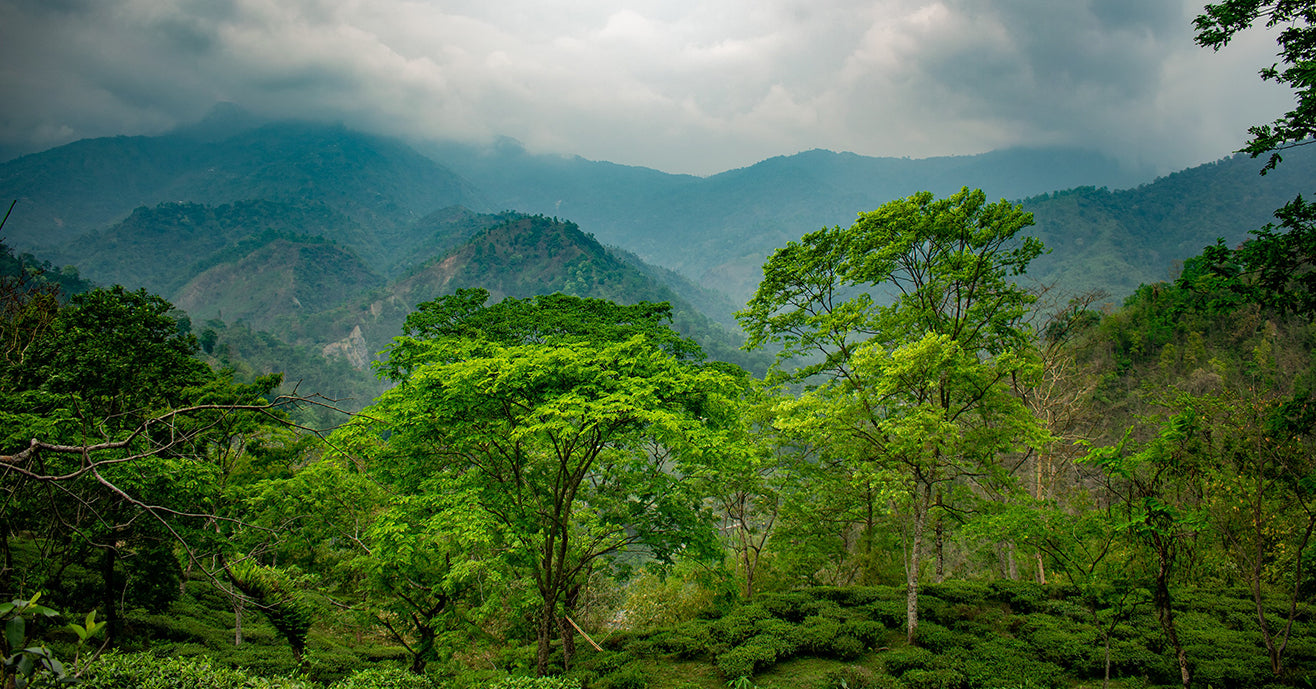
[(916, 390), (1284, 263), (109, 443), (1159, 483), (571, 423)]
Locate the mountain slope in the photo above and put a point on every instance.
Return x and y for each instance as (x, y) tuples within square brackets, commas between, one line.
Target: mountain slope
[(1117, 240), (380, 183), (718, 230), (526, 256), (163, 247)]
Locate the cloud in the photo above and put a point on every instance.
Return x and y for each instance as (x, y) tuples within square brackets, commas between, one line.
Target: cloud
[(681, 85)]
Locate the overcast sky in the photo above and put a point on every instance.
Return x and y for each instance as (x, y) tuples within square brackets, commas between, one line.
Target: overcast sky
[(696, 86)]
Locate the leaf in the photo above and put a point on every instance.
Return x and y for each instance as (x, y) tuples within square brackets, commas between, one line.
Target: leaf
[(16, 632)]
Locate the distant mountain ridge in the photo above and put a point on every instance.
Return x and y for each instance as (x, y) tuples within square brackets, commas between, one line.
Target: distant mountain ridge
[(159, 211)]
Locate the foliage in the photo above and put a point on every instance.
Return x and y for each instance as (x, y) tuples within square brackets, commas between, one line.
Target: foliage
[(911, 395)]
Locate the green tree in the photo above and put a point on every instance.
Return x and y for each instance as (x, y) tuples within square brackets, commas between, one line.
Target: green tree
[(570, 423), (914, 384), (1282, 257), (109, 432)]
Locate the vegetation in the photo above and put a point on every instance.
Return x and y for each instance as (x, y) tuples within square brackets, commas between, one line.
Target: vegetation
[(946, 479)]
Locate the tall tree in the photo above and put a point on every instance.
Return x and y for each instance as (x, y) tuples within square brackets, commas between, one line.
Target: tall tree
[(913, 328), (568, 422)]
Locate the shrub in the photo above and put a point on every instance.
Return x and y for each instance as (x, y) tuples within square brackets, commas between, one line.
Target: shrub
[(521, 682), (144, 671), (867, 631), (384, 678), (788, 606), (939, 639), (906, 658), (944, 678), (744, 661), (738, 626), (627, 678), (959, 591), (858, 677), (1021, 596), (1004, 663), (890, 613)]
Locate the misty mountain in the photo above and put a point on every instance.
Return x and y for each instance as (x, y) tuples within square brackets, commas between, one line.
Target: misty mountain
[(718, 230), (380, 183), (1117, 240)]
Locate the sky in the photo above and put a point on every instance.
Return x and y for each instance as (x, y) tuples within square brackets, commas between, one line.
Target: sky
[(683, 86)]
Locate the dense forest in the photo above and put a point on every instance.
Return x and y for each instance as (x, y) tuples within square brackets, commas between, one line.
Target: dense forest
[(949, 477), (971, 484)]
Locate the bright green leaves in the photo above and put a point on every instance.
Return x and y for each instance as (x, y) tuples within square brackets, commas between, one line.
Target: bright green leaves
[(564, 429)]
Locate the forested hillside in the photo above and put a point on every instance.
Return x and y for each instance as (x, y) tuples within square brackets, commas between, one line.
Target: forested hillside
[(971, 485)]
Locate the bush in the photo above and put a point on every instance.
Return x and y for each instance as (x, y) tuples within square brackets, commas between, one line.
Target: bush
[(817, 635), (857, 677), (1021, 596), (627, 678), (144, 671), (784, 637), (867, 631), (907, 658), (944, 678), (384, 678), (744, 661), (520, 682), (939, 639), (959, 591), (787, 606), (738, 626)]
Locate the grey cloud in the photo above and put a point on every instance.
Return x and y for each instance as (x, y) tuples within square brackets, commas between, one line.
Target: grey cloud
[(682, 85)]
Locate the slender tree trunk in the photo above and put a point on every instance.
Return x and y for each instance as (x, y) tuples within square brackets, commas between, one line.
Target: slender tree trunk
[(1041, 569), (911, 567), (1164, 605), (237, 621), (109, 597), (1105, 680)]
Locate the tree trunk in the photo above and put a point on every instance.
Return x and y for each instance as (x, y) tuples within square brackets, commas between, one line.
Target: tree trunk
[(109, 597), (424, 649), (237, 621), (544, 638), (911, 570), (1164, 606)]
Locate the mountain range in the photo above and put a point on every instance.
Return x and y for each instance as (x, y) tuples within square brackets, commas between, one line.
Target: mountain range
[(328, 236)]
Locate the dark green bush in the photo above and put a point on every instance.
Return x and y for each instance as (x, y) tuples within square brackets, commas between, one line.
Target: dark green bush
[(900, 660), (869, 632), (738, 626), (145, 671), (939, 639), (787, 606), (817, 635), (1021, 596), (384, 678), (744, 661), (630, 677), (782, 636), (1004, 663), (857, 596), (1060, 641), (942, 678), (958, 591), (859, 677), (888, 612)]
